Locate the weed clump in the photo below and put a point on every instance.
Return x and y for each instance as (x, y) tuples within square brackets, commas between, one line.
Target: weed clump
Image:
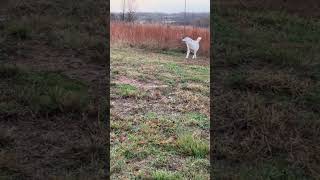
[(193, 146), (165, 175)]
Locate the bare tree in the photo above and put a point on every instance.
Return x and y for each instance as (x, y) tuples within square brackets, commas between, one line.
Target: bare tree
[(185, 17), (123, 5), (131, 14)]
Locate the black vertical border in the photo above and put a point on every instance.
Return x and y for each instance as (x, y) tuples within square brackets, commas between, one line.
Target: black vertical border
[(211, 90), (107, 117)]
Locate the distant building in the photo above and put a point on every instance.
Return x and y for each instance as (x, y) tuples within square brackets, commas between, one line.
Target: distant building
[(169, 21)]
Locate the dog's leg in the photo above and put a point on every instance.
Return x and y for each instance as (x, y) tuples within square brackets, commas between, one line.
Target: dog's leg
[(195, 54), (188, 52)]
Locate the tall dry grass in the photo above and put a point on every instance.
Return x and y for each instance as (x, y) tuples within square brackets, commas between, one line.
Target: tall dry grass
[(158, 36)]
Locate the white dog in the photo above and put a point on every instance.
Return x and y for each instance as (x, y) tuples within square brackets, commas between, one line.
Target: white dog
[(192, 45)]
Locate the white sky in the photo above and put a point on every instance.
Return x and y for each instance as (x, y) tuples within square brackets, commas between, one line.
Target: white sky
[(167, 6)]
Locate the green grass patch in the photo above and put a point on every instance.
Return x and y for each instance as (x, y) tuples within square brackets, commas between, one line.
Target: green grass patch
[(174, 68), (151, 115), (196, 168), (193, 146), (131, 154), (204, 70), (127, 90), (173, 52), (165, 175), (183, 74), (198, 119)]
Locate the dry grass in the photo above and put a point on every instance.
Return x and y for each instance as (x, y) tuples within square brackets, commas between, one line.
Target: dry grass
[(52, 105), (158, 36), (159, 128), (266, 98)]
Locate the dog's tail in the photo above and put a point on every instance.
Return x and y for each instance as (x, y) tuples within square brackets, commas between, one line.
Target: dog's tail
[(199, 39)]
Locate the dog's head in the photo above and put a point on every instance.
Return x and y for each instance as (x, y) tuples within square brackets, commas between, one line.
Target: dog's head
[(184, 39)]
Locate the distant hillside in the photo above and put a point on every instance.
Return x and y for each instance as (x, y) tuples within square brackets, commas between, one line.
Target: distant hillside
[(196, 19)]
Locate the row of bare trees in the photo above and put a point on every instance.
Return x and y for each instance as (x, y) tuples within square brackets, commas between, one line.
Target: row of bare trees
[(128, 10)]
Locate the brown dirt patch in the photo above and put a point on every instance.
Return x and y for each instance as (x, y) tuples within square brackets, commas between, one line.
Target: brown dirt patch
[(142, 85)]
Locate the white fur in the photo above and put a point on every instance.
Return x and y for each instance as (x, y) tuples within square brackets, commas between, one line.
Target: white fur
[(192, 45)]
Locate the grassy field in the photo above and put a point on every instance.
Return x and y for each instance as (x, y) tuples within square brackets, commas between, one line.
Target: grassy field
[(159, 115), (266, 95), (52, 90)]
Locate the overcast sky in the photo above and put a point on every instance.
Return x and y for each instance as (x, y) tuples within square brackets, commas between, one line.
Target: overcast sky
[(167, 6)]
